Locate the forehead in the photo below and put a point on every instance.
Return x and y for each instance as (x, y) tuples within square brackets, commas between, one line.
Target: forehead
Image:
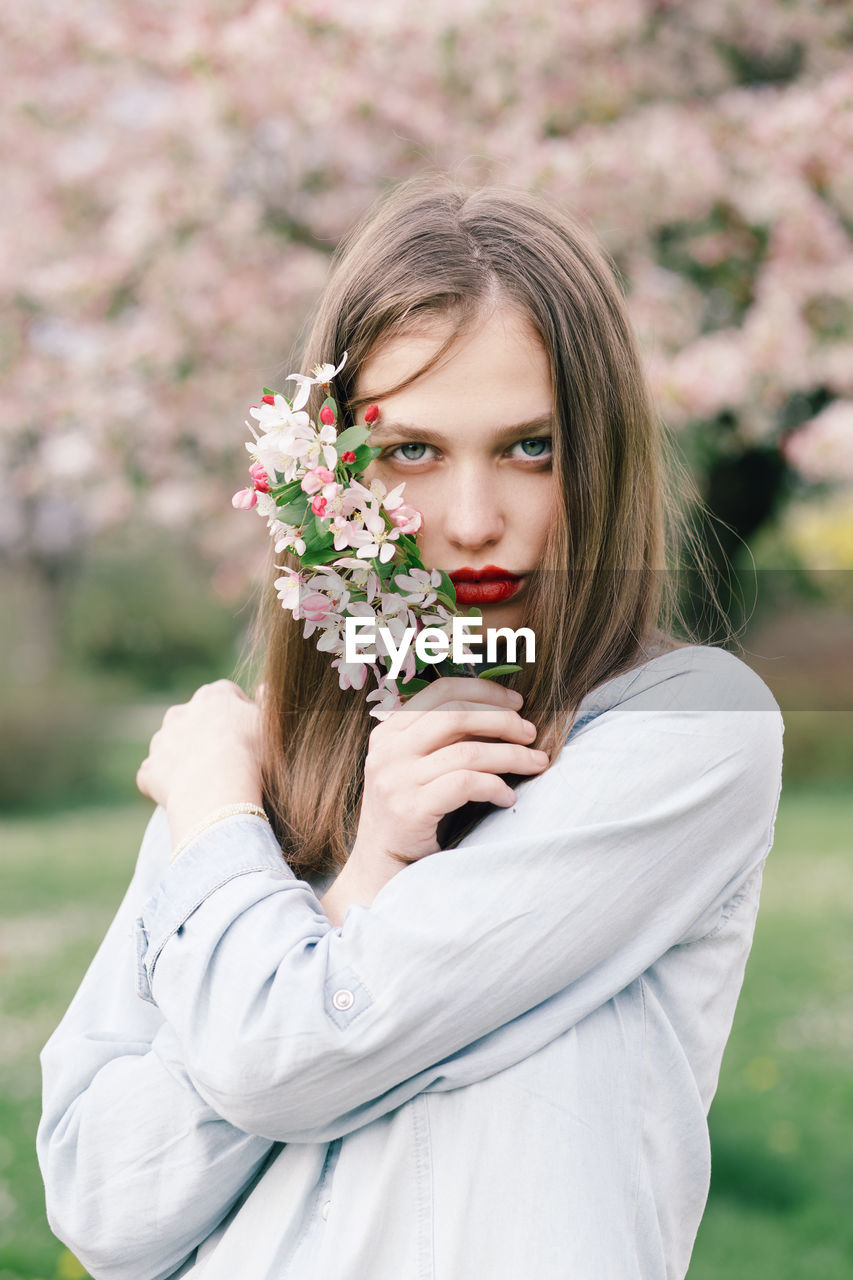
[(498, 363)]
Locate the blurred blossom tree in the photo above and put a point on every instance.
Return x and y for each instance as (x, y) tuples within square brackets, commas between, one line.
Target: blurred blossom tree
[(176, 176)]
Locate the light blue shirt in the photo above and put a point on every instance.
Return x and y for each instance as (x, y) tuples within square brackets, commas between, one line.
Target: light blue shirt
[(502, 1068)]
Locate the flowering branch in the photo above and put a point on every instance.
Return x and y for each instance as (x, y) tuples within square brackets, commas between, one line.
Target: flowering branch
[(355, 542)]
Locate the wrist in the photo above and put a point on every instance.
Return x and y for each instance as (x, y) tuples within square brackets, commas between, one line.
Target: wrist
[(241, 809), (358, 883), (186, 812)]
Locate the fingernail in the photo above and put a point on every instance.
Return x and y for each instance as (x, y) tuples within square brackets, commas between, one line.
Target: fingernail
[(516, 697)]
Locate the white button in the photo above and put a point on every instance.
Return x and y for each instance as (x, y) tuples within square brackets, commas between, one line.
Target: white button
[(343, 999), (325, 1209)]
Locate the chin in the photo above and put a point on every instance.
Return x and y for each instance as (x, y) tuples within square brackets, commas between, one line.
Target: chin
[(501, 615)]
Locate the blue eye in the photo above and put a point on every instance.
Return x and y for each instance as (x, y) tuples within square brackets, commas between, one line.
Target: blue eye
[(405, 448), (535, 447)]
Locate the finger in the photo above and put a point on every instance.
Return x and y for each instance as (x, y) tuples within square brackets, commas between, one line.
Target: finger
[(141, 775), (217, 688), (452, 790), (172, 715), (448, 688), (465, 720), (488, 757)]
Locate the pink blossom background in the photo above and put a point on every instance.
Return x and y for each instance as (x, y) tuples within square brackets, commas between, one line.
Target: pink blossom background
[(175, 177)]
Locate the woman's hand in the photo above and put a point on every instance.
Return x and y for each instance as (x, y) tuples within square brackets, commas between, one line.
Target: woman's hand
[(424, 761), (204, 756)]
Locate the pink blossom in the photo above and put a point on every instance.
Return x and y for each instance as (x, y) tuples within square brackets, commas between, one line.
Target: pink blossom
[(333, 586), (258, 473), (244, 499), (314, 479), (363, 577), (439, 617), (321, 375), (351, 675), (288, 536), (117, 271), (288, 588), (419, 586), (314, 606), (822, 449), (407, 519), (386, 697), (393, 498), (278, 413), (373, 543)]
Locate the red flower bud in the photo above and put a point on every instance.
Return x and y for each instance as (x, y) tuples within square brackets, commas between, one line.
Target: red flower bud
[(268, 399), (318, 505), (349, 456), (371, 413), (259, 475), (327, 416)]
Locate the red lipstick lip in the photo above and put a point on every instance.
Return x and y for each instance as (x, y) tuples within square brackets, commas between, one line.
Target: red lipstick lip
[(489, 585), (493, 591), (490, 573)]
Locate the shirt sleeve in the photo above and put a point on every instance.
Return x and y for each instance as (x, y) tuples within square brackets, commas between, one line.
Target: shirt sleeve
[(138, 1168), (652, 816)]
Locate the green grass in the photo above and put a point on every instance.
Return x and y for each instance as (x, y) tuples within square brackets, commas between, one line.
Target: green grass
[(781, 1124), (782, 1121), (62, 878)]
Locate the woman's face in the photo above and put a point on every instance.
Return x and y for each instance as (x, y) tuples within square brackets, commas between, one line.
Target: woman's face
[(472, 441)]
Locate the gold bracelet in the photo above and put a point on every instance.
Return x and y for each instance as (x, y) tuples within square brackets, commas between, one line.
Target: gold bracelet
[(227, 811)]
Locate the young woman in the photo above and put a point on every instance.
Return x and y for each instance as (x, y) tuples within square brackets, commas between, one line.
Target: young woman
[(453, 1003)]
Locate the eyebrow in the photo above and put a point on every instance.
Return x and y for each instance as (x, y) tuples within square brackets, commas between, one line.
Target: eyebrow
[(410, 431)]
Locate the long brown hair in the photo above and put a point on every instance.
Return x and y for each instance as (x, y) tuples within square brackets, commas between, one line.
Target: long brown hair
[(606, 591)]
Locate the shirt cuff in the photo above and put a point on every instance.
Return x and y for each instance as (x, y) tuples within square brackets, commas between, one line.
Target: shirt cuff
[(231, 847)]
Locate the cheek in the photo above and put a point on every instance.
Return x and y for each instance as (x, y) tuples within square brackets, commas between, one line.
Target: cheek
[(543, 507), (417, 493)]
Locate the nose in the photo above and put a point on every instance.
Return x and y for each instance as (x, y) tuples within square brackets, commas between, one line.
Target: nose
[(473, 515)]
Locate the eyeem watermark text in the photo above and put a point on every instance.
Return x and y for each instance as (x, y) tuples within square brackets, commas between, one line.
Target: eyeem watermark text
[(433, 644)]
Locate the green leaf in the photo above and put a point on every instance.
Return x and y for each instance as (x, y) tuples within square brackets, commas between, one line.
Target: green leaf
[(411, 552), (491, 673), (364, 455), (447, 589), (293, 512), (412, 686), (317, 538), (268, 392), (330, 404), (351, 439), (287, 492), (320, 557)]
